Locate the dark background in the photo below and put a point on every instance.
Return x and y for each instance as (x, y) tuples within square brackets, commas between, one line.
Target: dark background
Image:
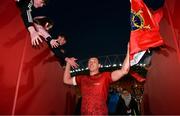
[(93, 27)]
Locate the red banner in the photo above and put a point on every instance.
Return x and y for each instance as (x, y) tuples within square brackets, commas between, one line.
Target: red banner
[(144, 29)]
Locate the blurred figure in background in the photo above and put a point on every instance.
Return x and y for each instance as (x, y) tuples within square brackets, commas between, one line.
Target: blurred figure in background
[(127, 104)]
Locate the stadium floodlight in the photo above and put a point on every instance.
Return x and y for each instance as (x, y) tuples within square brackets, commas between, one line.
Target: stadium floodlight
[(114, 65)]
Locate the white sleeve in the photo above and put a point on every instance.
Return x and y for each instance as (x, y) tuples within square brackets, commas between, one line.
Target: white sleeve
[(74, 80), (42, 31)]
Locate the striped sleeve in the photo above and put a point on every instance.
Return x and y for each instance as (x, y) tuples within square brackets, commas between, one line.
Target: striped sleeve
[(25, 8)]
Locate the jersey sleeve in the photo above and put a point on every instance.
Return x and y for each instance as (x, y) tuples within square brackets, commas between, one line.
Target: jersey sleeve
[(108, 77), (78, 80)]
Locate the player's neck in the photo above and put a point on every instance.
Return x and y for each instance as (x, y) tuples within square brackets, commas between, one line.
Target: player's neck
[(94, 72)]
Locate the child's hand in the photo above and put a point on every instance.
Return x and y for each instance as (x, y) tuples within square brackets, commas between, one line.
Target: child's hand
[(54, 43)]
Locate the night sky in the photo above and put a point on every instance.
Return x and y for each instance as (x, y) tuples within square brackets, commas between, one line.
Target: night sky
[(93, 27)]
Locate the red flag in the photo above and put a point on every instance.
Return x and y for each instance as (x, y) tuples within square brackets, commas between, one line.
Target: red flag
[(144, 29), (138, 77), (157, 15)]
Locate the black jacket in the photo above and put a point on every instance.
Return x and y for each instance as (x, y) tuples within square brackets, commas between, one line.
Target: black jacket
[(25, 7)]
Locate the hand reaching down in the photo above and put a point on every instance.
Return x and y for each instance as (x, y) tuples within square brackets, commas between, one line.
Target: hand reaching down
[(54, 43)]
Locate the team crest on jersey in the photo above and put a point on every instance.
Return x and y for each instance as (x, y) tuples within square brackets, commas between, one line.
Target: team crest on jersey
[(137, 21)]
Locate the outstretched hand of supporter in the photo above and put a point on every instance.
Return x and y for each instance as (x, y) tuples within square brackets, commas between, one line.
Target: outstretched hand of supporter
[(42, 32), (54, 43), (35, 38), (72, 62)]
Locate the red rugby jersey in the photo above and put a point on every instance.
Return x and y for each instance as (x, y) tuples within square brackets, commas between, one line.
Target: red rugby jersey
[(94, 91)]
